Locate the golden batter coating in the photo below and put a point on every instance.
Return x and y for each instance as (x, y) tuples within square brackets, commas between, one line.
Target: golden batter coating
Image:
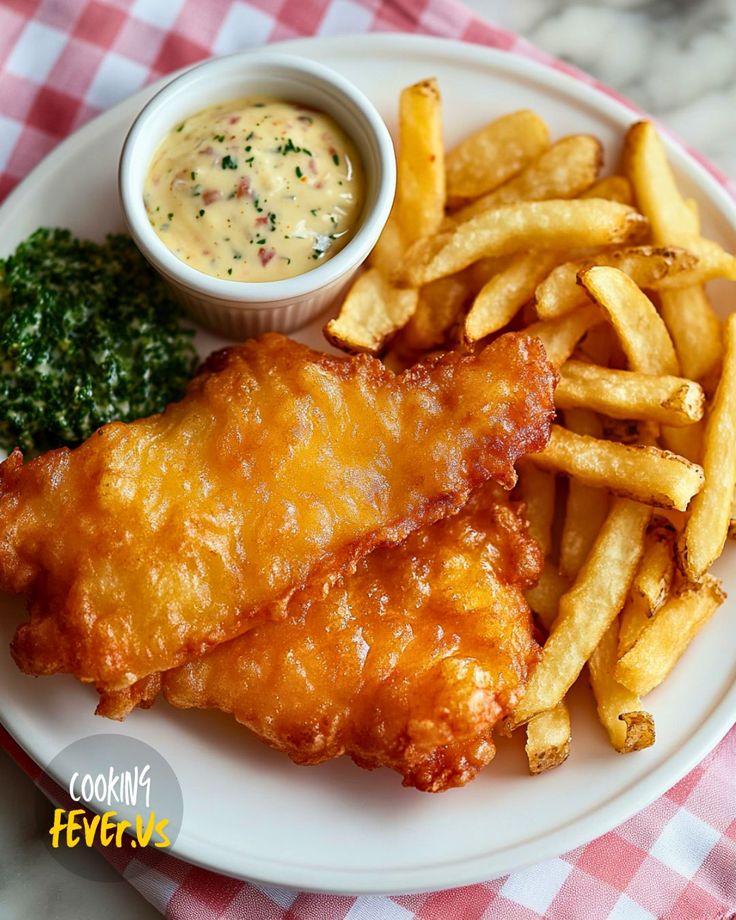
[(156, 540), (408, 663)]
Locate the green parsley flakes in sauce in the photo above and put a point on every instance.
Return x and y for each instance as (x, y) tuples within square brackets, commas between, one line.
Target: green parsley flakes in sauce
[(255, 190)]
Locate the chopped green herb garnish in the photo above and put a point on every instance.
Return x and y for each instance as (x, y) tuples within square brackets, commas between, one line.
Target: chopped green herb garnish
[(218, 137), (249, 161), (229, 163), (290, 147), (314, 212), (248, 148), (260, 242), (170, 215), (298, 172), (229, 271), (335, 159), (180, 128), (193, 175), (201, 212), (89, 333)]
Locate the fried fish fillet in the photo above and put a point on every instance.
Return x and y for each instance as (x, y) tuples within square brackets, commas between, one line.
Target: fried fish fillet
[(407, 663), (156, 540)]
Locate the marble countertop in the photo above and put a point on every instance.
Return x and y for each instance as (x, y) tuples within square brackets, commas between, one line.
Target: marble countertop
[(675, 59)]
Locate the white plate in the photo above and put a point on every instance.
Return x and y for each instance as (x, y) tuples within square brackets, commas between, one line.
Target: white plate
[(248, 811)]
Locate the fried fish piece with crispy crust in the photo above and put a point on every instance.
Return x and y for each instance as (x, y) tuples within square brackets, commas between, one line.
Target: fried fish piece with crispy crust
[(155, 540), (408, 663)]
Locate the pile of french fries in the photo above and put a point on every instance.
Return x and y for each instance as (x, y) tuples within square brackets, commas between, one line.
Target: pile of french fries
[(631, 501)]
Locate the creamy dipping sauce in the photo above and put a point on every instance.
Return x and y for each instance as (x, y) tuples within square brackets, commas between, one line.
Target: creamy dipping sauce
[(255, 190)]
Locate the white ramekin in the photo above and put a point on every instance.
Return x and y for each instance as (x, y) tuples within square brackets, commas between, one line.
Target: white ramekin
[(238, 309)]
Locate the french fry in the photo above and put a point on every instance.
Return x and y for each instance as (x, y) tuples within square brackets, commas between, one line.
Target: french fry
[(693, 205), (614, 188), (420, 197), (552, 224), (647, 474), (627, 431), (645, 165), (438, 308), (674, 220), (548, 739), (600, 345), (687, 442), (560, 336), (588, 608), (673, 223), (495, 153), (503, 295), (646, 265), (564, 171), (634, 619), (421, 161), (711, 380), (629, 727), (536, 488), (548, 735), (653, 579), (484, 269), (651, 585), (695, 329), (370, 314), (642, 333), (668, 634), (586, 507), (712, 262), (583, 421), (707, 527), (388, 248), (544, 597), (667, 400)]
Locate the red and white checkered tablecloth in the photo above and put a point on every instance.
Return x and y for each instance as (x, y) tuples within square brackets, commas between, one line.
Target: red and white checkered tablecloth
[(63, 61)]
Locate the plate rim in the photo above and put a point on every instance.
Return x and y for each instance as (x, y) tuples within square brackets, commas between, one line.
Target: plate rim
[(205, 853)]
